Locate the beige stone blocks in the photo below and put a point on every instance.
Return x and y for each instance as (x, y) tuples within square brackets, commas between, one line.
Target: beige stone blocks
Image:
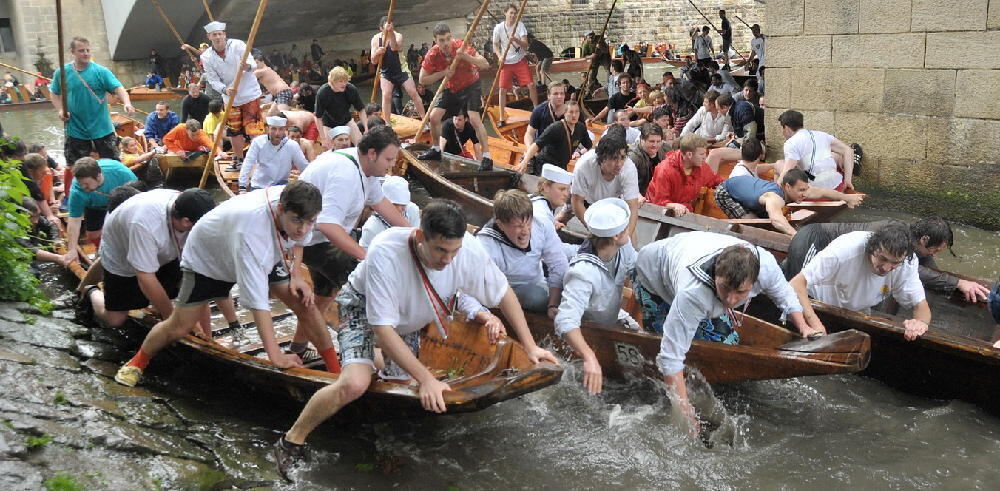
[(784, 17), (884, 135), (949, 15), (831, 16), (993, 18), (879, 50), (977, 95), (798, 51), (779, 84), (885, 16), (968, 142), (925, 92), (963, 49)]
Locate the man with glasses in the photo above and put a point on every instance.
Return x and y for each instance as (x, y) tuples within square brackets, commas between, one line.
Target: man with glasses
[(858, 270)]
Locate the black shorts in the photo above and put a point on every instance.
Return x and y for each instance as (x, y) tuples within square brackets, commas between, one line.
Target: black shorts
[(726, 44), (122, 293), (328, 266), (398, 78), (106, 147), (808, 241), (469, 98), (93, 219), (198, 289)]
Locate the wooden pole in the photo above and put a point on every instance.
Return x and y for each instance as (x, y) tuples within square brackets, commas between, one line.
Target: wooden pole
[(170, 25), (716, 29), (62, 57), (208, 11), (743, 21), (378, 69), (592, 71), (236, 87), (47, 79), (510, 41), (444, 81)]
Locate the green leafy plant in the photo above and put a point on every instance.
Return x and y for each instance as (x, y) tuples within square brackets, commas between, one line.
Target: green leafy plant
[(16, 281), (62, 482), (60, 399), (38, 441)]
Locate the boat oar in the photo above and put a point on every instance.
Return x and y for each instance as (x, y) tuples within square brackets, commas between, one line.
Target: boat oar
[(716, 29), (386, 112), (236, 88), (496, 80), (208, 11), (444, 81), (62, 59), (173, 29), (592, 70)]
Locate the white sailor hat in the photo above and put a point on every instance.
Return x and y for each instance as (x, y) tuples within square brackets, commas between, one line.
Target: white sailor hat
[(337, 131), (277, 121), (557, 174), (215, 26), (608, 217), (396, 190)]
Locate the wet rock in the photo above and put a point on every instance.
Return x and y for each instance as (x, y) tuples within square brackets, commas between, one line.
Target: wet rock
[(175, 473), (120, 392), (9, 313), (107, 406), (91, 349), (132, 438), (48, 357), (18, 413), (19, 382), (30, 334), (15, 357), (101, 367), (247, 458), (15, 474), (151, 414), (11, 443), (64, 314), (61, 325)]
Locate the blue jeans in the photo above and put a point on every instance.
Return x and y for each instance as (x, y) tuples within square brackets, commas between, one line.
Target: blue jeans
[(655, 310)]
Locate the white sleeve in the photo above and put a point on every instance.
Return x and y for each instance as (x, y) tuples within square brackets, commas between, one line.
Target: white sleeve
[(580, 185), (483, 280), (469, 305), (248, 163), (727, 126), (251, 275), (521, 30), (682, 321), (496, 39), (822, 269), (694, 123), (211, 75), (791, 152), (374, 194), (630, 181), (142, 252), (298, 158), (575, 299), (369, 230), (412, 214), (553, 255), (382, 291), (909, 291), (333, 209), (772, 282)]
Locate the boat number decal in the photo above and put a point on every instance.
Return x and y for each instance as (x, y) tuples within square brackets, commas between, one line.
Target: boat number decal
[(628, 354)]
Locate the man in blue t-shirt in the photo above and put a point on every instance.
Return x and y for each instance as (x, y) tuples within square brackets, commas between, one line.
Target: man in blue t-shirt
[(159, 123), (88, 199), (88, 124), (546, 113)]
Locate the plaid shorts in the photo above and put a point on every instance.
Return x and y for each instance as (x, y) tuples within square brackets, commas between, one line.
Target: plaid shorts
[(357, 339), (284, 97), (728, 205)]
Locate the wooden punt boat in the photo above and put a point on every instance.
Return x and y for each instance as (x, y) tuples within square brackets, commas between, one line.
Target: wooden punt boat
[(21, 99), (143, 93), (565, 65)]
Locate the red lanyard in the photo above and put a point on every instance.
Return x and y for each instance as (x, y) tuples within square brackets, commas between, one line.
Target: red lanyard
[(277, 237), (441, 309)]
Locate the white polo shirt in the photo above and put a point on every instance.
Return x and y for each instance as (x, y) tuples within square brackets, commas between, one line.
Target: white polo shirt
[(138, 237), (346, 189), (812, 148)]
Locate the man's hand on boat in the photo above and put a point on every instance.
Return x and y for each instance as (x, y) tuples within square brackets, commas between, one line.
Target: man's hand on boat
[(285, 360), (593, 378), (914, 329), (431, 395), (494, 326), (973, 291), (677, 209), (854, 200)]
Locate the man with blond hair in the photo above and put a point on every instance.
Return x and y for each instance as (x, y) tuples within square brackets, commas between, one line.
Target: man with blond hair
[(334, 101)]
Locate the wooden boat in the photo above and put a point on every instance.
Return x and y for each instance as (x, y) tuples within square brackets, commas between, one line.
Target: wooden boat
[(565, 65), (143, 93), (21, 99)]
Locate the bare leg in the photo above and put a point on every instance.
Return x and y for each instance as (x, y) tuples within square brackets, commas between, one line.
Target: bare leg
[(435, 119), (238, 141), (533, 93), (477, 123), (111, 318), (310, 322), (228, 309), (352, 384), (503, 103), (173, 328), (411, 89), (322, 303), (387, 88)]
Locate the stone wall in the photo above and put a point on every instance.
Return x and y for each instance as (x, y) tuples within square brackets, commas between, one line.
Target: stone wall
[(915, 82)]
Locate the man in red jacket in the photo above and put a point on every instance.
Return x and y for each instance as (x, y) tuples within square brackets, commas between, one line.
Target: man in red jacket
[(679, 178)]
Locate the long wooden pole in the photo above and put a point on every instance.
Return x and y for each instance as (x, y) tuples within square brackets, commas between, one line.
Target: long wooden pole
[(378, 69), (715, 28), (444, 81), (173, 29), (208, 11), (236, 87), (62, 57), (592, 70), (47, 79), (510, 41)]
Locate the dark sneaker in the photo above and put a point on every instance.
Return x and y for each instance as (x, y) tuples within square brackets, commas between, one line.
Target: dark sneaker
[(430, 154), (308, 355), (84, 308), (858, 156), (286, 455), (486, 165)]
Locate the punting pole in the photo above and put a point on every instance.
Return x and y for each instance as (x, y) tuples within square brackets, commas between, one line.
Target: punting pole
[(378, 69), (62, 57), (592, 70), (510, 41), (716, 29), (236, 87), (444, 81), (173, 29), (743, 21), (208, 11)]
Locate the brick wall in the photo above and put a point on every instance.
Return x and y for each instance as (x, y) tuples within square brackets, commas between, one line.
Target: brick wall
[(915, 82)]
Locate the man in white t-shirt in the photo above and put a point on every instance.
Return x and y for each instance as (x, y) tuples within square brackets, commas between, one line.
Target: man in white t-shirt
[(606, 172), (703, 47), (271, 157), (515, 67), (757, 51), (140, 252), (432, 264), (622, 119), (818, 153), (858, 270), (245, 241), (397, 191)]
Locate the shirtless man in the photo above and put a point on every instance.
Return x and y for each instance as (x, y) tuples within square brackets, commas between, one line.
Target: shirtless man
[(308, 149), (274, 84)]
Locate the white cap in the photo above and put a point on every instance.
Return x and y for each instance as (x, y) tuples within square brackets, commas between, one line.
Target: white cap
[(557, 174), (337, 131), (276, 121), (215, 26), (608, 217), (396, 189)]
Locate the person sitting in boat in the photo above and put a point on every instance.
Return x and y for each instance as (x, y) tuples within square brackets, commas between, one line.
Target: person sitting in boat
[(678, 180), (930, 236), (558, 144), (619, 101), (33, 169), (41, 238), (859, 270), (141, 250), (818, 153), (463, 90), (397, 191), (709, 122), (188, 139), (214, 118), (154, 81), (747, 196), (270, 158), (606, 172), (688, 286), (551, 196), (622, 119), (337, 138), (307, 146), (751, 161), (519, 243), (93, 181), (592, 288), (159, 123), (546, 113), (646, 153), (246, 240), (195, 103), (144, 165), (334, 102), (455, 132), (433, 263)]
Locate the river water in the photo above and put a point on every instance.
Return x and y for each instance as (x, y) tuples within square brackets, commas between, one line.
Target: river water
[(820, 433)]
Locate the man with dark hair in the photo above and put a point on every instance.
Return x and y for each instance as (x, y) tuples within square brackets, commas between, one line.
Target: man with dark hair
[(828, 161), (678, 180), (688, 287), (727, 38), (195, 104), (141, 252), (186, 139), (271, 157), (88, 199), (463, 91), (245, 240), (704, 49), (372, 311), (757, 53), (620, 100), (646, 153), (606, 172), (33, 168), (546, 113), (88, 125), (742, 117), (930, 236), (348, 180), (159, 123), (455, 132), (557, 145), (514, 68), (858, 270)]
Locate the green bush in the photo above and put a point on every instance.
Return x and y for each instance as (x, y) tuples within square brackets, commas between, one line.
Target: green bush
[(16, 281)]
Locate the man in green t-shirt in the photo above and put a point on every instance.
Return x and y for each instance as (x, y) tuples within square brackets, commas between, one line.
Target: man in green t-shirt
[(93, 182), (88, 124)]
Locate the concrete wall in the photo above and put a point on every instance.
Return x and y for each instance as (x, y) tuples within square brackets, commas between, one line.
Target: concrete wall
[(915, 82)]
